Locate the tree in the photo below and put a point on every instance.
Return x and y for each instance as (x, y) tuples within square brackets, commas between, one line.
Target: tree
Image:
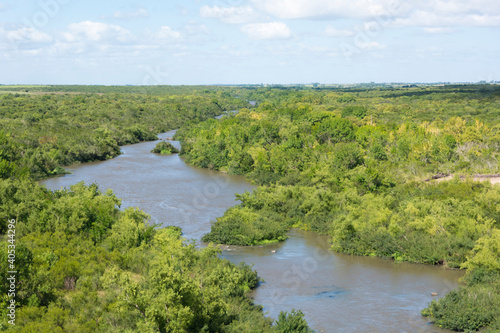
[(293, 322)]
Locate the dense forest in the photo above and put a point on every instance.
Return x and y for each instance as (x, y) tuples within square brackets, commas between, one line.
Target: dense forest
[(84, 265), (42, 132), (366, 167), (361, 165)]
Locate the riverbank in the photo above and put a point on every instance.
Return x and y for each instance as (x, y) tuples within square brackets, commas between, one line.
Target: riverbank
[(331, 171), (77, 255), (42, 133), (175, 193)]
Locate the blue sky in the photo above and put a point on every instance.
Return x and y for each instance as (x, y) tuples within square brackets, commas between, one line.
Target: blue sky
[(248, 41)]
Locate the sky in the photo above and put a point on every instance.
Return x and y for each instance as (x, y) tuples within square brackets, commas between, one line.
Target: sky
[(193, 42)]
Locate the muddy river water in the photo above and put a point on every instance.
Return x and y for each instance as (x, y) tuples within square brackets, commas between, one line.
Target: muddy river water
[(337, 293)]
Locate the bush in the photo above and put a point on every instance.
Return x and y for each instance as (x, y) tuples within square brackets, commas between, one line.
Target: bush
[(466, 309), (472, 307), (165, 148), (334, 130), (243, 226), (292, 322)]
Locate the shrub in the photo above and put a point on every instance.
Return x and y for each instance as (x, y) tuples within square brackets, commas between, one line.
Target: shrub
[(165, 148), (292, 322)]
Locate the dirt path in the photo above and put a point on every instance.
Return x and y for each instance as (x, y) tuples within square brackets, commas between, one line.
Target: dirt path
[(494, 179)]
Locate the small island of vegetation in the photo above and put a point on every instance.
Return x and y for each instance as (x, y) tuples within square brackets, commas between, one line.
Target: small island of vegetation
[(164, 148)]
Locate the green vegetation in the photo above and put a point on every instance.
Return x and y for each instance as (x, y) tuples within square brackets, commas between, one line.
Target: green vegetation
[(353, 163), (472, 307), (43, 132), (84, 265), (164, 148), (354, 111), (350, 163), (292, 322)]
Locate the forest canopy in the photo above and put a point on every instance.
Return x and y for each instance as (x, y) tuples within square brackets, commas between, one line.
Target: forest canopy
[(364, 165), (85, 265), (358, 165), (41, 132)]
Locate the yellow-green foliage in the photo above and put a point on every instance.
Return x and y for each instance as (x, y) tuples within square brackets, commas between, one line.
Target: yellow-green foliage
[(85, 266), (486, 253), (41, 133), (164, 148), (127, 277), (362, 181)]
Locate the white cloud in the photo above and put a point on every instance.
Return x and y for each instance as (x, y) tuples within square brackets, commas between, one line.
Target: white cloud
[(97, 32), (140, 13), (334, 32), (24, 36), (314, 9), (453, 13), (404, 13), (486, 7), (230, 15), (425, 18), (3, 7), (167, 33), (271, 30)]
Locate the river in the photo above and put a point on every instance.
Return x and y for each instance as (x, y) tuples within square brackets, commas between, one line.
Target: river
[(337, 293)]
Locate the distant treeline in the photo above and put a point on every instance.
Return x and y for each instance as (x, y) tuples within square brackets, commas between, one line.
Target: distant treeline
[(40, 134)]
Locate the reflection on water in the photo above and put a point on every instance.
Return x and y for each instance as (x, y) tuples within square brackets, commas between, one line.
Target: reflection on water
[(338, 293)]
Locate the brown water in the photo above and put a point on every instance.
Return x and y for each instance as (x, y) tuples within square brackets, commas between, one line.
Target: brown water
[(342, 293), (168, 189), (338, 293)]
